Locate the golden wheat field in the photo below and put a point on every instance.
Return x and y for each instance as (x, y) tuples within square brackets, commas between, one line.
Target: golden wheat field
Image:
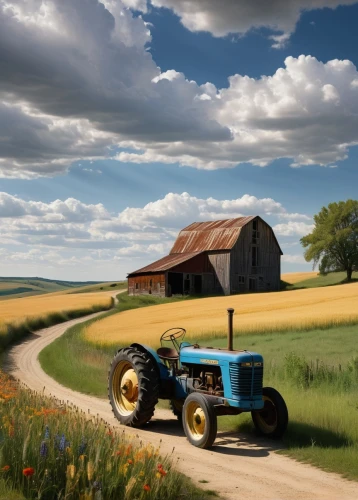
[(293, 278), (266, 312), (17, 311)]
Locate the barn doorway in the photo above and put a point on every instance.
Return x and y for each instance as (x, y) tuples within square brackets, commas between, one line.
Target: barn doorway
[(252, 284), (175, 283), (198, 284)]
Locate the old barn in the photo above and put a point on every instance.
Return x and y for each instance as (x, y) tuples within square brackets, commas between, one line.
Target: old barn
[(217, 257)]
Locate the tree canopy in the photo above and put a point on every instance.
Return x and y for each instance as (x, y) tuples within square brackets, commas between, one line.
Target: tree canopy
[(333, 243)]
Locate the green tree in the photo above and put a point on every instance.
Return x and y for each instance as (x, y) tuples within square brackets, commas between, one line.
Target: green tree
[(333, 242)]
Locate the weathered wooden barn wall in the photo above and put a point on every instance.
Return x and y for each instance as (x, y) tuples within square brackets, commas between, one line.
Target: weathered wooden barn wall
[(215, 257), (147, 284), (221, 265), (266, 274)]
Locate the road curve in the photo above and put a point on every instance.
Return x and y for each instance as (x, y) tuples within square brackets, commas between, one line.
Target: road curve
[(238, 467)]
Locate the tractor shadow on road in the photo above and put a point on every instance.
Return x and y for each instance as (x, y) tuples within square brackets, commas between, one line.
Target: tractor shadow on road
[(227, 443)]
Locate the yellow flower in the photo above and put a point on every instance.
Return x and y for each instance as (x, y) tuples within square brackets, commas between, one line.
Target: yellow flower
[(123, 469), (90, 470), (71, 471), (158, 475)]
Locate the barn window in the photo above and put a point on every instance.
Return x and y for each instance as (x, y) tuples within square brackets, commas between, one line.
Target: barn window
[(151, 283), (241, 280), (136, 286)]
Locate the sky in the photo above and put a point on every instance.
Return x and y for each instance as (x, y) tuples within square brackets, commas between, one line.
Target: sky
[(123, 121)]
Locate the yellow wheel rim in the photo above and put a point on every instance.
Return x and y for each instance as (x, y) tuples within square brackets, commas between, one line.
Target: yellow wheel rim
[(125, 387), (195, 418), (267, 417)]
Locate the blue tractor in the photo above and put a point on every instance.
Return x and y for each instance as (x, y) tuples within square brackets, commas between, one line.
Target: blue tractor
[(201, 383)]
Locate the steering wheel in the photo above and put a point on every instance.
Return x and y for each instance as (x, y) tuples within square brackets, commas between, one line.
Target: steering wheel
[(177, 333)]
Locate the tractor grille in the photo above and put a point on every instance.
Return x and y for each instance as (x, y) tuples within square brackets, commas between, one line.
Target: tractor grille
[(245, 380)]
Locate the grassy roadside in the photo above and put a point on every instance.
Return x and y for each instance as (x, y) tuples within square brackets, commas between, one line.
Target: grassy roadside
[(51, 450), (81, 366), (316, 371)]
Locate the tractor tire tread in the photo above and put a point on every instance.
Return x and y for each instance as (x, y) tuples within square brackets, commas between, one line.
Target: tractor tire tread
[(148, 389)]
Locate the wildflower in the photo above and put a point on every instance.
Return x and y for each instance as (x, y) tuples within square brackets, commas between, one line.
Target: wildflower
[(71, 471), (5, 468), (124, 468), (118, 453), (158, 475), (82, 457), (146, 487), (129, 448), (130, 461), (47, 432), (62, 443), (141, 474), (43, 449), (28, 472), (90, 470), (97, 485)]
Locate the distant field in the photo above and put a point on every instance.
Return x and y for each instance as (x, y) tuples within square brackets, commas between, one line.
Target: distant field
[(296, 277), (11, 288), (254, 313), (20, 316), (100, 287), (313, 280)]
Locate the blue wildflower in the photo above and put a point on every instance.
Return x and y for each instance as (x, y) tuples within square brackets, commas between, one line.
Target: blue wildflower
[(43, 449), (47, 432), (62, 443)]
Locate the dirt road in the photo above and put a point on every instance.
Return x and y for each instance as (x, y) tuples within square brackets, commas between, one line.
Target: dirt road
[(237, 467)]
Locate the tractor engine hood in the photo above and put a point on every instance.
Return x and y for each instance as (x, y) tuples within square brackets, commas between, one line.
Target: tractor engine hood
[(216, 356)]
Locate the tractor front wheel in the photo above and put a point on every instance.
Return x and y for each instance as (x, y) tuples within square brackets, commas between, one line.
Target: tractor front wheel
[(272, 420), (199, 420), (133, 387)]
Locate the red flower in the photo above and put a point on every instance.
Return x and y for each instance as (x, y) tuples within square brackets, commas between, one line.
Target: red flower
[(5, 468), (130, 461), (28, 472), (159, 466), (146, 487)]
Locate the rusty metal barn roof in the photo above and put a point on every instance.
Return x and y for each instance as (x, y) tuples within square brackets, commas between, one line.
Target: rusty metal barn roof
[(165, 263), (208, 236)]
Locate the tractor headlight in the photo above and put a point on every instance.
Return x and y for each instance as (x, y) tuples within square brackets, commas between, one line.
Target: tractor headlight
[(246, 364)]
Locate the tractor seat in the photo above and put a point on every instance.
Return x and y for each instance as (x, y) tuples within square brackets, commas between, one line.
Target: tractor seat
[(167, 353)]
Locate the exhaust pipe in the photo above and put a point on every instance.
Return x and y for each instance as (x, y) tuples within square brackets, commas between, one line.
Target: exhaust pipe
[(230, 333)]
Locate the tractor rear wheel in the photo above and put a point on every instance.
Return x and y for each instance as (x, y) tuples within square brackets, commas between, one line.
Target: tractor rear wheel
[(133, 387), (272, 420), (199, 420)]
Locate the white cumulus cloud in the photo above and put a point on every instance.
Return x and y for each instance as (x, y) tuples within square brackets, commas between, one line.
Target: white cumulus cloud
[(240, 16)]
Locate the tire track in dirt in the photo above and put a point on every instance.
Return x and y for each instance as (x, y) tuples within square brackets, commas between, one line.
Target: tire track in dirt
[(238, 466)]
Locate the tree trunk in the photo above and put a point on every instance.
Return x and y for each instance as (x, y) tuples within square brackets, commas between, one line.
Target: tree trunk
[(349, 274)]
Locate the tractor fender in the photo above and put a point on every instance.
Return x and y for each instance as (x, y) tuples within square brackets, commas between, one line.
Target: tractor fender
[(163, 371)]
